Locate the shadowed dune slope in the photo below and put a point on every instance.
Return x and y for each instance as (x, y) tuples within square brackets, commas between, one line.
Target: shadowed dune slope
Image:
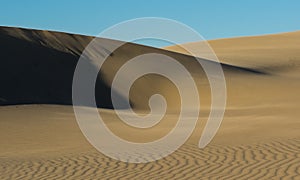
[(37, 68)]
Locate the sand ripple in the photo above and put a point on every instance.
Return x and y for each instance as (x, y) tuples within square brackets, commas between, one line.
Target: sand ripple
[(273, 160)]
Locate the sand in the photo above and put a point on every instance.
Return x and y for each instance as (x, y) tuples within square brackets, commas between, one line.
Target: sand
[(259, 137), (274, 54)]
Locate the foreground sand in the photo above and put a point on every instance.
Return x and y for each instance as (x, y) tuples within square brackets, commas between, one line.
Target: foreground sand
[(259, 137), (251, 144)]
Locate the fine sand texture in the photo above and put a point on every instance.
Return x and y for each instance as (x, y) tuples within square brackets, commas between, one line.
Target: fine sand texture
[(40, 139)]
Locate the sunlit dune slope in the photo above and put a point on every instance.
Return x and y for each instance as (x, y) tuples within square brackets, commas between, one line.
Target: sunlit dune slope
[(276, 53)]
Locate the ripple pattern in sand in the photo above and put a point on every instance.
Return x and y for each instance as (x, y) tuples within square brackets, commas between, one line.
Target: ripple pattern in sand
[(273, 160)]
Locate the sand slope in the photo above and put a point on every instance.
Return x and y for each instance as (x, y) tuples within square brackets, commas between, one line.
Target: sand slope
[(275, 54), (37, 68), (259, 137)]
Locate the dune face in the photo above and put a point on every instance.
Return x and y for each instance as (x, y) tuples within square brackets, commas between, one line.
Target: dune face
[(38, 67), (258, 138), (275, 54)]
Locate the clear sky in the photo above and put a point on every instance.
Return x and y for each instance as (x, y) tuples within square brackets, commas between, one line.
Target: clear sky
[(211, 18)]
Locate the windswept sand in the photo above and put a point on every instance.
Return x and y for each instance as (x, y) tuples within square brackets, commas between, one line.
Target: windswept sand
[(275, 54), (259, 137)]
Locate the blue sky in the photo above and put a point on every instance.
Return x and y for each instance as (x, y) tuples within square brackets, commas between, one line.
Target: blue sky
[(211, 18)]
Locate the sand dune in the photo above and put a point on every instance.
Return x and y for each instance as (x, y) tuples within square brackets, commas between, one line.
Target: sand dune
[(259, 137), (275, 54), (40, 67)]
